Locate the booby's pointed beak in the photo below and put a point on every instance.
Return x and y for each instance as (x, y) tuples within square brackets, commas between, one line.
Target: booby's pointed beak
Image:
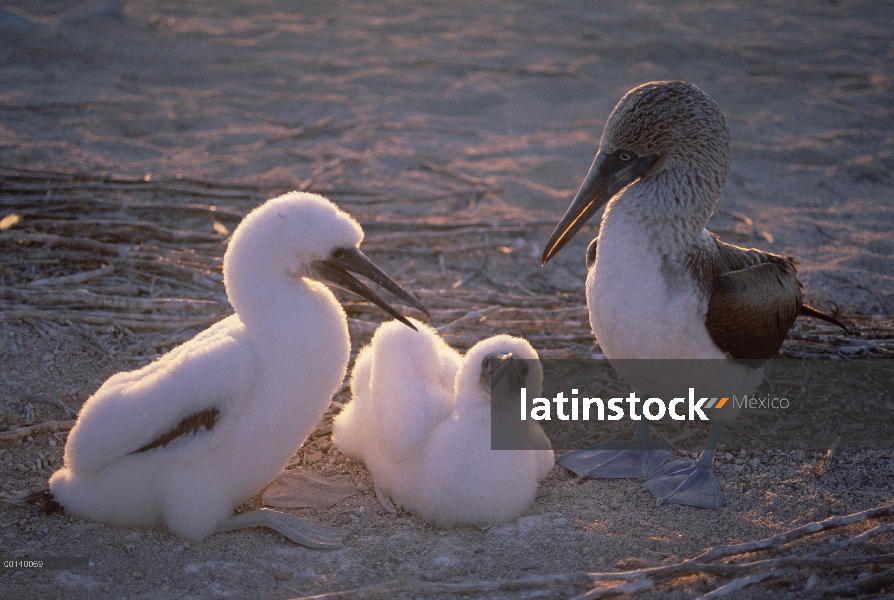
[(334, 271), (608, 175)]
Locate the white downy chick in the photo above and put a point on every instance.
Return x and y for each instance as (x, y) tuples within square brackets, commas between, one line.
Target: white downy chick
[(427, 440)]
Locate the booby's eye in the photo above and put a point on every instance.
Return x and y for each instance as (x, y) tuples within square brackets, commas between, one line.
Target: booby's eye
[(523, 369), (485, 364), (625, 155), (338, 253)]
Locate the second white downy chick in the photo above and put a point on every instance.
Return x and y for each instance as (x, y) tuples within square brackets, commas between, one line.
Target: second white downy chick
[(420, 420)]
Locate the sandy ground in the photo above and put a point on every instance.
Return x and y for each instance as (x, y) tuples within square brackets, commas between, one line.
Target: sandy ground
[(454, 113)]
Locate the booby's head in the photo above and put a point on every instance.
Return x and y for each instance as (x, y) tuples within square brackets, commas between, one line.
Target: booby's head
[(658, 127), (301, 235), (497, 368)]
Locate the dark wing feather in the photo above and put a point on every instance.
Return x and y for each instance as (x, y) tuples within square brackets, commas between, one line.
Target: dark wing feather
[(755, 297), (752, 310), (591, 253), (189, 425)]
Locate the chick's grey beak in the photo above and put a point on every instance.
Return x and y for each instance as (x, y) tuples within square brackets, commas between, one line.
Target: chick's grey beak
[(334, 271), (608, 175), (504, 372)]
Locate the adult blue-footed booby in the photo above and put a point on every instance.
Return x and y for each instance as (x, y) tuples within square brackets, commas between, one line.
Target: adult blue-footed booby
[(183, 441), (659, 286)]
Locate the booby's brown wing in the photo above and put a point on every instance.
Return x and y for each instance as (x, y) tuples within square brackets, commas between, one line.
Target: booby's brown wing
[(755, 300)]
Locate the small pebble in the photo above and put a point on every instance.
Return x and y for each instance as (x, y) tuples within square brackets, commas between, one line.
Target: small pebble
[(282, 574), (137, 575), (52, 442)]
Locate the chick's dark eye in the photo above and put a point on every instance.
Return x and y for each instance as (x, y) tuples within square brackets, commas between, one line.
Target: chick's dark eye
[(523, 370), (625, 155), (338, 253), (485, 364)]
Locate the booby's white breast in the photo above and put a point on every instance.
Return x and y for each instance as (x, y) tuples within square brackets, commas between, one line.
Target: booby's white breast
[(639, 306)]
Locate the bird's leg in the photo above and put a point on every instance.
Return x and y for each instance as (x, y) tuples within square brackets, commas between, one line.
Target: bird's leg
[(690, 482), (641, 433), (300, 531), (707, 455), (635, 458)]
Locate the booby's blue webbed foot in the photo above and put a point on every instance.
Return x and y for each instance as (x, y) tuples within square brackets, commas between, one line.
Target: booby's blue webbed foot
[(617, 459), (303, 532), (636, 458), (686, 481)]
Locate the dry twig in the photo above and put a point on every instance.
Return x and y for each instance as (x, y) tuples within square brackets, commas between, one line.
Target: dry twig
[(870, 584), (47, 426), (742, 582)]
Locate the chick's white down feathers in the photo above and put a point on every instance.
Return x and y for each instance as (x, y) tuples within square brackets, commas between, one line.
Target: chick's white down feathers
[(269, 371), (420, 420)]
